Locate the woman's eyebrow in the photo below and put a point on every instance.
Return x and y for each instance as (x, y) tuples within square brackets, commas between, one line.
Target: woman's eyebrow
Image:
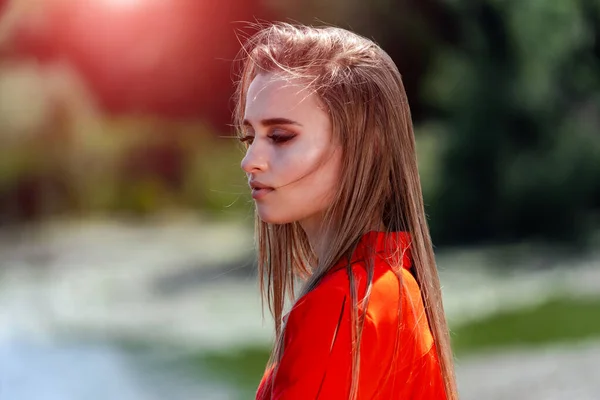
[(273, 121)]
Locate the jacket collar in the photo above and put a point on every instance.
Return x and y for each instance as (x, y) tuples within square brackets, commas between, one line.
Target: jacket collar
[(381, 244)]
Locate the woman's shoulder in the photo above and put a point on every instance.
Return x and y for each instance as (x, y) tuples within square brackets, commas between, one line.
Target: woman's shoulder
[(388, 288), (395, 303)]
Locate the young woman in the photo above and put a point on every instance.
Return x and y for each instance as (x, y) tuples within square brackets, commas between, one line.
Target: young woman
[(330, 157)]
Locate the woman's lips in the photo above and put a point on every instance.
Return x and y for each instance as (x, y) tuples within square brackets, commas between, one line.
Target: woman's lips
[(259, 193)]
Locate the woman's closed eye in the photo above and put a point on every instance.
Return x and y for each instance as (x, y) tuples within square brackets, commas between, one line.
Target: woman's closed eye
[(277, 138)]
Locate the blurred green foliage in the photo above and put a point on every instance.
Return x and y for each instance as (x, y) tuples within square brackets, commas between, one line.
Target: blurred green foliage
[(519, 98), (505, 97), (121, 165)]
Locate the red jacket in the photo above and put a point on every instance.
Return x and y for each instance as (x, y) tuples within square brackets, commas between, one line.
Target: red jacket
[(316, 362)]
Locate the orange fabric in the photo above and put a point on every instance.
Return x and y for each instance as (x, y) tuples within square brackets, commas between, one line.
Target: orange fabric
[(316, 362)]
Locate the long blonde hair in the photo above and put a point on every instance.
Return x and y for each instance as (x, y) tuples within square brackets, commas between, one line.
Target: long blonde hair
[(362, 90)]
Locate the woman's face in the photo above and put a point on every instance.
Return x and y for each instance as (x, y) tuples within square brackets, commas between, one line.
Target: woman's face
[(291, 151)]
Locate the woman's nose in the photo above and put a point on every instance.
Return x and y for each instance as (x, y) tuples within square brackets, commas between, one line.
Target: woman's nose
[(255, 160)]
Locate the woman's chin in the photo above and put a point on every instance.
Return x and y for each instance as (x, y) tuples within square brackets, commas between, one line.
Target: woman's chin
[(273, 221), (272, 218)]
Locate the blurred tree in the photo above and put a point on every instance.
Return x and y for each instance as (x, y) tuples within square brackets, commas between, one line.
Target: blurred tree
[(519, 95)]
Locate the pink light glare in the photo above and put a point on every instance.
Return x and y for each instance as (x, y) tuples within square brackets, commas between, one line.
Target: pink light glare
[(162, 57), (126, 4), (115, 4)]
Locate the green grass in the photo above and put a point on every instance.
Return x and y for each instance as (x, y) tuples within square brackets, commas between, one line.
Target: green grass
[(559, 320), (242, 368)]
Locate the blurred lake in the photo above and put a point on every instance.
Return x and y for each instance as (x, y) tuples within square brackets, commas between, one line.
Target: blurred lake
[(115, 309)]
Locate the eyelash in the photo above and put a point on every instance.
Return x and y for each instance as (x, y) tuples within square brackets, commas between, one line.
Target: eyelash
[(277, 139)]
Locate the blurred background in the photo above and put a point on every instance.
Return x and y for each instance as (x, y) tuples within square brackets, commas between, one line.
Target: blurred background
[(126, 256)]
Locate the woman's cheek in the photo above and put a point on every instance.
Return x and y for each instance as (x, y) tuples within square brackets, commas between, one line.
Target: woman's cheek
[(296, 166)]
